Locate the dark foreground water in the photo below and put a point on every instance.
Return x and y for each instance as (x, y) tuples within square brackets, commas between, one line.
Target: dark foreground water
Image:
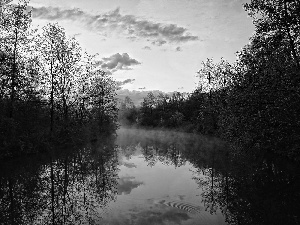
[(149, 177)]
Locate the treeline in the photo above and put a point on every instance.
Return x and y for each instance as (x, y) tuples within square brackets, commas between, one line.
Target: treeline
[(49, 88), (192, 112), (253, 102)]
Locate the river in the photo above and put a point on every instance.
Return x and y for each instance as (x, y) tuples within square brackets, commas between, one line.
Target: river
[(142, 177)]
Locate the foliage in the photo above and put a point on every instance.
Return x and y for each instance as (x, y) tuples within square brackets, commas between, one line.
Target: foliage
[(263, 105), (254, 102), (49, 90)]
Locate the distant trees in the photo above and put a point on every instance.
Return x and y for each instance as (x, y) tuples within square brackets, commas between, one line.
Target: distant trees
[(163, 110), (128, 113)]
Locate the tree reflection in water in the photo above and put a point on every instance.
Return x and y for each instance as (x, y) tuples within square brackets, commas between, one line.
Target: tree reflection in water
[(245, 188), (251, 191), (74, 187), (67, 188)]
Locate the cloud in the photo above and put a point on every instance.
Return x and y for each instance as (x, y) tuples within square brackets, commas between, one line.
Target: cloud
[(77, 34), (131, 26), (178, 49), (159, 42), (126, 184), (121, 83), (147, 48), (118, 62)]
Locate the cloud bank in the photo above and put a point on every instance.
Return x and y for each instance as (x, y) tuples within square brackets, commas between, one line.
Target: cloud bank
[(131, 26)]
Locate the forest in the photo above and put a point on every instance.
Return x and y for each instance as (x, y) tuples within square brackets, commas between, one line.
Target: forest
[(51, 91), (64, 160), (253, 102)]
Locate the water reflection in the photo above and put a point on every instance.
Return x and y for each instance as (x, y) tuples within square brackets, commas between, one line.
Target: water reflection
[(261, 192), (249, 190), (149, 177), (244, 188), (160, 161), (67, 188)]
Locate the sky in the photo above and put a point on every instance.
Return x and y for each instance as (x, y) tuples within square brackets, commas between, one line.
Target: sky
[(152, 44)]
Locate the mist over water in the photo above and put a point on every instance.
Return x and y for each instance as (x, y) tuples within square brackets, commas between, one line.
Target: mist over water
[(144, 176), (135, 177), (162, 180)]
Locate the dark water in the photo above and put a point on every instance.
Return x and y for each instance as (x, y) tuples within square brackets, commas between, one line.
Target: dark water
[(149, 177)]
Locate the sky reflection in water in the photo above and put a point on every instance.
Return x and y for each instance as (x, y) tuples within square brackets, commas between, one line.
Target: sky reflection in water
[(152, 172)]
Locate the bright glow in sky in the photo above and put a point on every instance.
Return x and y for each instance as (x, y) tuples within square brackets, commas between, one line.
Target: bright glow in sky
[(159, 43)]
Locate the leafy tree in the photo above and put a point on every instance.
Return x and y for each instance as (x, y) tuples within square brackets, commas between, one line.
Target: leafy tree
[(46, 84), (102, 94), (69, 58), (14, 39), (58, 64), (278, 18), (83, 85), (263, 105)]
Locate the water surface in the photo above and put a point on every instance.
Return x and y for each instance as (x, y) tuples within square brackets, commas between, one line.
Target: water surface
[(156, 183), (147, 177)]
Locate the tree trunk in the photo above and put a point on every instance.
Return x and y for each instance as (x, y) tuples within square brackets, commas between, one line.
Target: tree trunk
[(13, 76), (52, 94)]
